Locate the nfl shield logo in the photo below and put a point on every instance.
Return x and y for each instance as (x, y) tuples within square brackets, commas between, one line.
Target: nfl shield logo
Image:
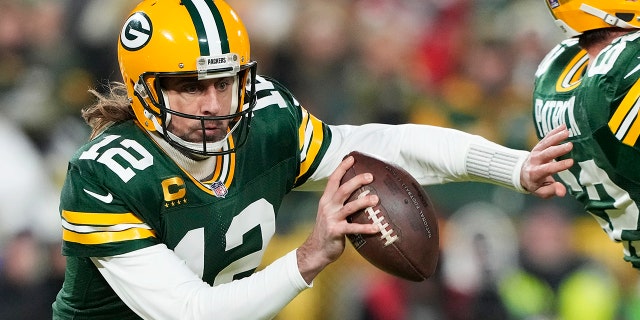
[(219, 189)]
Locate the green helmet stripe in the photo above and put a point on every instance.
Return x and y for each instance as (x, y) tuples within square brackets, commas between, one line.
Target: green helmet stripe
[(219, 27), (212, 35)]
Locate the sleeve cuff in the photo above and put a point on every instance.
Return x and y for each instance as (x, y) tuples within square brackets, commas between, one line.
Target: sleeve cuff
[(501, 166), (294, 273)]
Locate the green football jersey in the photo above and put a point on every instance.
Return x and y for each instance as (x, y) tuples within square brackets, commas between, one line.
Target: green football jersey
[(598, 101), (123, 192)]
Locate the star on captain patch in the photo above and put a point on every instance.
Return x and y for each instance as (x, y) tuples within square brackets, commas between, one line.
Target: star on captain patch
[(219, 189)]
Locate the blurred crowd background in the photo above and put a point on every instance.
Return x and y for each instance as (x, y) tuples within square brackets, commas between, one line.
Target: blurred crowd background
[(466, 64)]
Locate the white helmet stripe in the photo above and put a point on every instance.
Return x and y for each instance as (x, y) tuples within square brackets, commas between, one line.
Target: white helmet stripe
[(210, 27)]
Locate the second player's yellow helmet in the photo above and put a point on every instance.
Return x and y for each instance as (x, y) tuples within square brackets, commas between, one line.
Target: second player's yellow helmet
[(202, 38), (577, 16)]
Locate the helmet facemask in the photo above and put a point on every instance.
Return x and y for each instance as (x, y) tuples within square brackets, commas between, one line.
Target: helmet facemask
[(155, 101)]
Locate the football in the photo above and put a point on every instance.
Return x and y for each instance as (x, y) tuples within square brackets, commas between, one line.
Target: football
[(408, 243)]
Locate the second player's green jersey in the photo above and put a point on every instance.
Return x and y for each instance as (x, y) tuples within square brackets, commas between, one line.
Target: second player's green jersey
[(599, 102)]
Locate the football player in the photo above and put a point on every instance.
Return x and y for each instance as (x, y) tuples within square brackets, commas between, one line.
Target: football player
[(167, 211), (590, 83)]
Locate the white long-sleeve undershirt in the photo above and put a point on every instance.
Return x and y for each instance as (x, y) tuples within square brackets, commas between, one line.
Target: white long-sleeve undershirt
[(156, 284), (433, 155)]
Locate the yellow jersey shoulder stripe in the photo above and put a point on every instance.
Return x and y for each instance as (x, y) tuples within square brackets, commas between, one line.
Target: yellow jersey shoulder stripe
[(105, 237), (104, 219), (101, 228), (624, 123), (311, 135)]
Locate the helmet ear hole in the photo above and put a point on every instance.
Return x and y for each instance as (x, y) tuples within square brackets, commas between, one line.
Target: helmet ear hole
[(625, 16)]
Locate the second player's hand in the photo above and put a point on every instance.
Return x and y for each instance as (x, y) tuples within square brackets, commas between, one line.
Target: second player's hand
[(537, 172)]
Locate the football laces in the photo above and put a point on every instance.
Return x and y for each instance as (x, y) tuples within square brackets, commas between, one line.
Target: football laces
[(385, 230)]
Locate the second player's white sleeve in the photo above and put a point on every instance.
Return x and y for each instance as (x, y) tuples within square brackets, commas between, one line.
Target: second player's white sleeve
[(433, 155), (156, 284)]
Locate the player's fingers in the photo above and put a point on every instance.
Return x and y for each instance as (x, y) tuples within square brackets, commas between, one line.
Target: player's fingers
[(327, 201), (560, 189), (558, 150), (334, 179), (351, 185), (362, 202), (543, 171), (551, 190), (544, 161), (358, 228), (557, 166), (551, 152), (554, 137)]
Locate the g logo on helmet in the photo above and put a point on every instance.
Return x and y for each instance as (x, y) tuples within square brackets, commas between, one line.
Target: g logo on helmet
[(136, 32)]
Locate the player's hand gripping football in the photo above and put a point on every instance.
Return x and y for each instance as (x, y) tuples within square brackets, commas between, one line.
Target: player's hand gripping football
[(327, 240), (537, 171)]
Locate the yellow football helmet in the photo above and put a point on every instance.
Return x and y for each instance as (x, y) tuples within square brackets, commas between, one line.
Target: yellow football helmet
[(195, 38), (577, 16)]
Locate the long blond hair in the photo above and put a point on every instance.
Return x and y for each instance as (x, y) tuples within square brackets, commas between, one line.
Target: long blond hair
[(109, 108)]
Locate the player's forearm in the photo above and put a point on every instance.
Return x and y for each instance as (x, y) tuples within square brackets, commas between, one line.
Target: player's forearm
[(433, 155), (157, 285)]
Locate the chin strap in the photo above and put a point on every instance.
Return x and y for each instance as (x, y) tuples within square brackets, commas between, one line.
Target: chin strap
[(612, 20), (210, 146)]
